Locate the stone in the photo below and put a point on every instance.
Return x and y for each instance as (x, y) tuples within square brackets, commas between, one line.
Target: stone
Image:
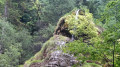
[(63, 64)]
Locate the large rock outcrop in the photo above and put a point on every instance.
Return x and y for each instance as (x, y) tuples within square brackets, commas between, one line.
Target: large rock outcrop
[(51, 54)]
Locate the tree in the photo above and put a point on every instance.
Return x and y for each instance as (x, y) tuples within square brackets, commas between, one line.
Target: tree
[(110, 17), (95, 6), (16, 45), (54, 9)]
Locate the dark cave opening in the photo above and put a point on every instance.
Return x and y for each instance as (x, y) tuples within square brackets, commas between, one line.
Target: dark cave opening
[(62, 29)]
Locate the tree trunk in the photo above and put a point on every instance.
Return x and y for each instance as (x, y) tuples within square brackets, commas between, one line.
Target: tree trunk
[(6, 9)]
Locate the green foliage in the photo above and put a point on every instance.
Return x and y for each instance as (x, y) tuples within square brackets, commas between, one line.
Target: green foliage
[(100, 47), (43, 35), (47, 32), (91, 65), (54, 9), (111, 17), (83, 26), (2, 2), (111, 36), (83, 51), (25, 39), (10, 57), (96, 7), (117, 55), (15, 45)]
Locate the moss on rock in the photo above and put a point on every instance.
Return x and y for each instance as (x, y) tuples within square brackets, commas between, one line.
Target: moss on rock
[(46, 50), (68, 25), (81, 27)]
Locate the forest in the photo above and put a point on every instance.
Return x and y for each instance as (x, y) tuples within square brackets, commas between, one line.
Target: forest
[(59, 33)]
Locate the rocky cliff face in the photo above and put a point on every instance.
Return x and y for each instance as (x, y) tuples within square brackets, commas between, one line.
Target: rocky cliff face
[(51, 54)]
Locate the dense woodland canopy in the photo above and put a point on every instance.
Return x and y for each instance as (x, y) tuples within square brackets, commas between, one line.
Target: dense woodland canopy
[(26, 24)]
